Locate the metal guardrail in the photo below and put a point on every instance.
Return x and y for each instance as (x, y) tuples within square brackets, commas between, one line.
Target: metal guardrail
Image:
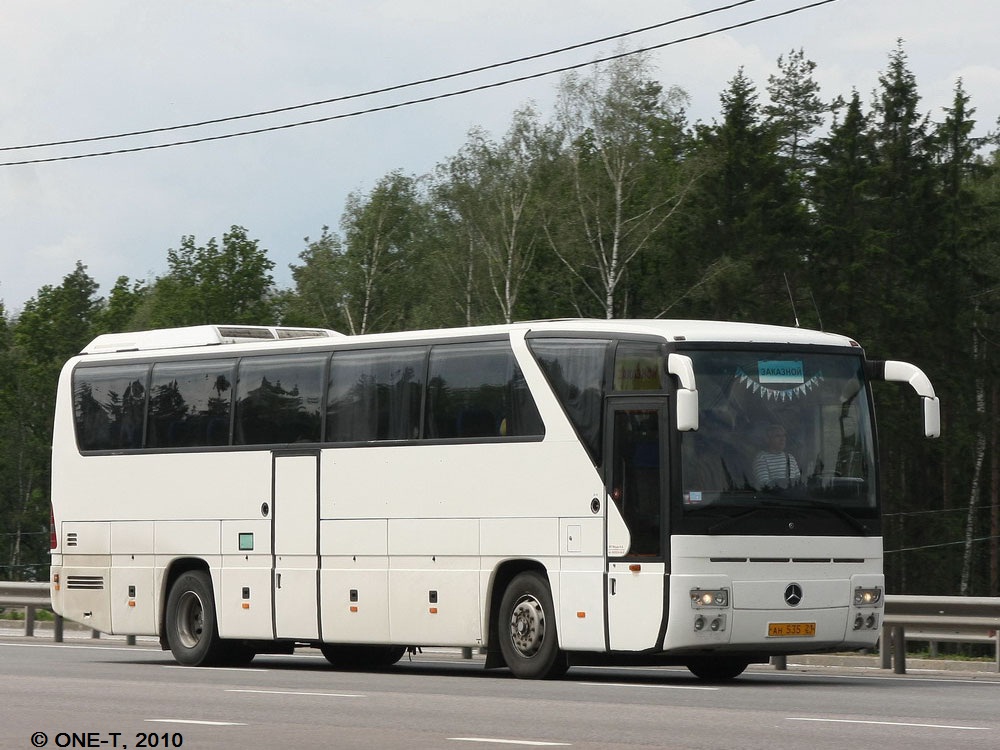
[(31, 596), (19, 594), (959, 619)]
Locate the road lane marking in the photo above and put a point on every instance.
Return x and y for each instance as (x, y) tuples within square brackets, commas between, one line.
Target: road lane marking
[(216, 669), (640, 685), (133, 649), (195, 721), (297, 692), (497, 741), (889, 723)]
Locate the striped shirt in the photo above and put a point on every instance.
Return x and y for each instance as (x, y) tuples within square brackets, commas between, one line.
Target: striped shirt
[(775, 469)]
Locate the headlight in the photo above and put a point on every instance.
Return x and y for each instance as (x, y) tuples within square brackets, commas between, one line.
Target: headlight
[(867, 597), (709, 598)]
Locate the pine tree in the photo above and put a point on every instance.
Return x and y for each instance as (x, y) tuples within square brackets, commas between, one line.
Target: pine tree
[(750, 232), (796, 109), (840, 192)]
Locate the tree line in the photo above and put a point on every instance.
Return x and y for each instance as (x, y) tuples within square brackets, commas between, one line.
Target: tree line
[(856, 214)]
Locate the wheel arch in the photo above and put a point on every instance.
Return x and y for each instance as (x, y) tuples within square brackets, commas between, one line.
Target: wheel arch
[(174, 570), (503, 574)]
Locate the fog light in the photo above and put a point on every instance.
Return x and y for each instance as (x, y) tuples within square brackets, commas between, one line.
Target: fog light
[(699, 623), (859, 622), (871, 622)]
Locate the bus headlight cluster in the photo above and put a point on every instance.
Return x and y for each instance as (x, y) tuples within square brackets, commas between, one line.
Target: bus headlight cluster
[(706, 600), (709, 598), (868, 597)]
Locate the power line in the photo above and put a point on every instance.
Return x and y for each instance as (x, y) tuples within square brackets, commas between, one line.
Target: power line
[(942, 544), (933, 512), (421, 100), (385, 90)]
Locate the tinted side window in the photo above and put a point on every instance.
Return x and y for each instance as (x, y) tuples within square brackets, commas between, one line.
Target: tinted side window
[(376, 395), (189, 404), (638, 367), (108, 406), (575, 369), (478, 391), (278, 400)]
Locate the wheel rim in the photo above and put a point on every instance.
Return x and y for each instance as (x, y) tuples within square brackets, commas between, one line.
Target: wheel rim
[(190, 619), (527, 626)]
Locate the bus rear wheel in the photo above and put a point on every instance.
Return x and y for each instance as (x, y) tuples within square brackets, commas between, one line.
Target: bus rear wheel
[(526, 626), (191, 629)]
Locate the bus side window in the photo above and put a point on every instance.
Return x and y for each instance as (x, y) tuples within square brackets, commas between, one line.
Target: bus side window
[(638, 367), (375, 394), (575, 368), (478, 391), (278, 400), (109, 406), (190, 404)]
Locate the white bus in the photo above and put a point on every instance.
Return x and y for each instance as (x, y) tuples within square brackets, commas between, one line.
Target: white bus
[(557, 493)]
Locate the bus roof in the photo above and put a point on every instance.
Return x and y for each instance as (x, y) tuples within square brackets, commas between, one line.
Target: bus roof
[(702, 331), (207, 335), (671, 330)]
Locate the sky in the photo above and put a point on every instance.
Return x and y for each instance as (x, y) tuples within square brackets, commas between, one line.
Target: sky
[(72, 70)]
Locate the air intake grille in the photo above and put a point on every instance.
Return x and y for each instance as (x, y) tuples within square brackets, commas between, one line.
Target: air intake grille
[(93, 583), (71, 539), (821, 560)]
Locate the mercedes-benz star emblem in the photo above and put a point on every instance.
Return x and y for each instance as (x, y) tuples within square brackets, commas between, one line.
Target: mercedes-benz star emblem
[(793, 594)]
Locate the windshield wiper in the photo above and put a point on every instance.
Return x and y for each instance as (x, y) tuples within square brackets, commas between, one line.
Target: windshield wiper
[(836, 510), (802, 506), (732, 520)]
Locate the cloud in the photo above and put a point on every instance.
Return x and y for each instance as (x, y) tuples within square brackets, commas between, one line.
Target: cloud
[(71, 69)]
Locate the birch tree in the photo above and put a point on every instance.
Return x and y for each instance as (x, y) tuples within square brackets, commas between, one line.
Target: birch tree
[(619, 190), (492, 193), (379, 234)]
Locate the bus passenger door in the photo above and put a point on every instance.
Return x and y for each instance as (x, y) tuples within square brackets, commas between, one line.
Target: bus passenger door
[(295, 510), (635, 474)]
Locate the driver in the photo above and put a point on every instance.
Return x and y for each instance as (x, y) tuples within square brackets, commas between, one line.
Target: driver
[(774, 466)]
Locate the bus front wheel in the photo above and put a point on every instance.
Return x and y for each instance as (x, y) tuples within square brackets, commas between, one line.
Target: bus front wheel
[(361, 656), (526, 627), (717, 668), (191, 625)]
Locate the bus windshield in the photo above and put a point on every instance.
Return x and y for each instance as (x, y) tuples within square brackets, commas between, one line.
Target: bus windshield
[(784, 444)]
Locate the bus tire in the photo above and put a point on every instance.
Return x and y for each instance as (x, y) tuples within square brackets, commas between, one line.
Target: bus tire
[(236, 653), (192, 633), (526, 627), (717, 668), (361, 656)]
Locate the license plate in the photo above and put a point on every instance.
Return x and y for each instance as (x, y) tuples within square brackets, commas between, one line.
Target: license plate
[(791, 629)]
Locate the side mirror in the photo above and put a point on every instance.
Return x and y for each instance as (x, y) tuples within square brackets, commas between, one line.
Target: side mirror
[(932, 417), (686, 406), (904, 372)]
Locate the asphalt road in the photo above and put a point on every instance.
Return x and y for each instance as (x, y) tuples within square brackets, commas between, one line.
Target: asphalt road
[(108, 695)]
